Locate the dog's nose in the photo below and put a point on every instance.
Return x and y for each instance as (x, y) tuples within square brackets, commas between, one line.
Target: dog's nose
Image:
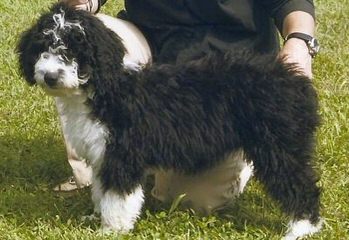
[(51, 78)]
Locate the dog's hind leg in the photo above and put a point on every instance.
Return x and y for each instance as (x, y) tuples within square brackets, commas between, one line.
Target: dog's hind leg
[(287, 173), (276, 119)]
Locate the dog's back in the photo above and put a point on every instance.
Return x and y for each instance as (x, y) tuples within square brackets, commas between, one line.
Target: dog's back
[(209, 106)]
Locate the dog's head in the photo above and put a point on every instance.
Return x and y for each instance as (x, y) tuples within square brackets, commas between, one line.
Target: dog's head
[(68, 50)]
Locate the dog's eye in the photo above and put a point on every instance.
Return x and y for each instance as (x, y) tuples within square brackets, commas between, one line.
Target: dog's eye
[(45, 55)]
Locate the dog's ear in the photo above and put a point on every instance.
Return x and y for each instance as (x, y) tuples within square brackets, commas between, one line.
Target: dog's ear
[(31, 44), (100, 48), (95, 44), (28, 50), (102, 51)]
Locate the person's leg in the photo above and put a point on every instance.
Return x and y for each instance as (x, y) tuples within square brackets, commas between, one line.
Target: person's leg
[(82, 173), (206, 191)]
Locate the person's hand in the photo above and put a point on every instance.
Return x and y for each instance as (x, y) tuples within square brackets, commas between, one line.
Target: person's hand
[(296, 51), (87, 5)]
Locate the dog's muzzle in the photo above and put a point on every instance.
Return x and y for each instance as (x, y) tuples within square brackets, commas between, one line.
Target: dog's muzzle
[(51, 78)]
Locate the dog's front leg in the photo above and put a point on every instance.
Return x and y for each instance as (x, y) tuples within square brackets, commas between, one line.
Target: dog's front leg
[(119, 211), (118, 194), (118, 208)]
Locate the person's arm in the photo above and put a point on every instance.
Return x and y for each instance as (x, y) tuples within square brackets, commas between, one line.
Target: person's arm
[(294, 16), (92, 6), (295, 50)]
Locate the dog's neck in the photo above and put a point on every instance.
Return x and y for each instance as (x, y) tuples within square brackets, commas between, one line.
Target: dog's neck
[(73, 104)]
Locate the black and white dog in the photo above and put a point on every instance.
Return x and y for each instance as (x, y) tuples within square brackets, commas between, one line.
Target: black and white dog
[(185, 117)]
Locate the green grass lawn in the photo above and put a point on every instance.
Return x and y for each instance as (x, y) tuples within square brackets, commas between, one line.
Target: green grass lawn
[(33, 160)]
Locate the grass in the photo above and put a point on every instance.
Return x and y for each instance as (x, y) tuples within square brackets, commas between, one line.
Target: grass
[(32, 155)]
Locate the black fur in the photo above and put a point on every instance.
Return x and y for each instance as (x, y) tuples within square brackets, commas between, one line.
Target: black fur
[(190, 115)]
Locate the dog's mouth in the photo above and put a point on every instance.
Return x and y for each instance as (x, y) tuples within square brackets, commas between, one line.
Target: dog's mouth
[(60, 91), (50, 79), (59, 83)]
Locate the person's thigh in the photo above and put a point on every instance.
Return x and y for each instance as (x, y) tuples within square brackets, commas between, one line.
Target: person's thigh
[(206, 191)]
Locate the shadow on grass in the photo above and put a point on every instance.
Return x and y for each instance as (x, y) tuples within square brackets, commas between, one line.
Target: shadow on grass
[(253, 210), (29, 169)]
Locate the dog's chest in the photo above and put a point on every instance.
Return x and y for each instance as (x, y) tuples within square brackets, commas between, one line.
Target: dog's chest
[(87, 136)]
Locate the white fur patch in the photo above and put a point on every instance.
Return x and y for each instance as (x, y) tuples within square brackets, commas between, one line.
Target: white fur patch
[(119, 212), (301, 228), (61, 24), (87, 136), (129, 65), (245, 175)]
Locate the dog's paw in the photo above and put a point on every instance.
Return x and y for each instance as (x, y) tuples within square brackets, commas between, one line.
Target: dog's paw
[(103, 232), (109, 230), (301, 228), (92, 217)]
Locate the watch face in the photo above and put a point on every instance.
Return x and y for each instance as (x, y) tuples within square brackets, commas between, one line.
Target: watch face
[(313, 43), (314, 47)]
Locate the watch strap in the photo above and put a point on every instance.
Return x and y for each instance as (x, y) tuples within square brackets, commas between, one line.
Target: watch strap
[(311, 42)]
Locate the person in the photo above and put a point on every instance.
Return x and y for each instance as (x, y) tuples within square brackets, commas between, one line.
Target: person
[(184, 29)]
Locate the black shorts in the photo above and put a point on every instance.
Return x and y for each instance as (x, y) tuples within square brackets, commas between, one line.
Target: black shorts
[(177, 33)]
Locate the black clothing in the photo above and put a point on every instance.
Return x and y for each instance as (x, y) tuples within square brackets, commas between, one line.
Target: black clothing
[(174, 26)]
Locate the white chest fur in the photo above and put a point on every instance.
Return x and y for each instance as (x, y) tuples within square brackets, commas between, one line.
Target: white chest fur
[(86, 135)]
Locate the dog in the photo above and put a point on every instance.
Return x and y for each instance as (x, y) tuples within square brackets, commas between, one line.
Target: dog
[(186, 116)]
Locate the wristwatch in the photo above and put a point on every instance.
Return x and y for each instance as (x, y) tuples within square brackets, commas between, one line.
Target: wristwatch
[(312, 43)]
